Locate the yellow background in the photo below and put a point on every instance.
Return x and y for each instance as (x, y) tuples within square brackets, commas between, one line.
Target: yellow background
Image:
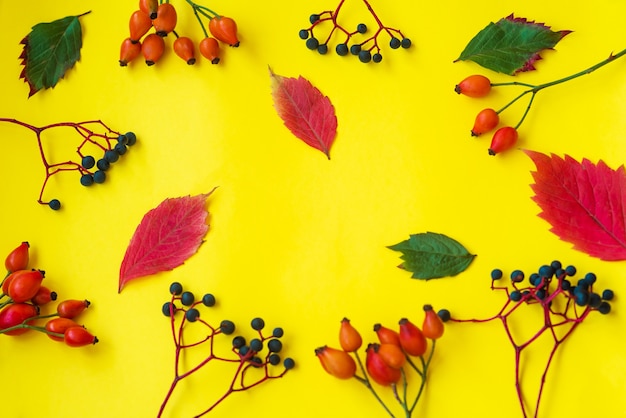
[(295, 238)]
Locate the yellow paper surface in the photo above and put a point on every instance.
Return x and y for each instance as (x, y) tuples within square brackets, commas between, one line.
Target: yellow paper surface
[(295, 238)]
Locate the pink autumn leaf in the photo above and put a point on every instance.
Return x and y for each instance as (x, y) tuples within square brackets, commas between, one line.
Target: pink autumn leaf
[(584, 202), (166, 237), (305, 111)]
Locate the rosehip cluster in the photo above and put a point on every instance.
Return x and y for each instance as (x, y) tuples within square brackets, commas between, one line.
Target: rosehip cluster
[(248, 354), (162, 18), (565, 302), (388, 361), (25, 296), (368, 49)]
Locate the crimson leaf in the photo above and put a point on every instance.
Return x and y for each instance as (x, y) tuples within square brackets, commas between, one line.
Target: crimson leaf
[(50, 49), (306, 112), (584, 202), (430, 255), (166, 237), (511, 45)]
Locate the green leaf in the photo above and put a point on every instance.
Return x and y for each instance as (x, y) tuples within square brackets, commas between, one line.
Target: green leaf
[(511, 45), (430, 256), (50, 49)]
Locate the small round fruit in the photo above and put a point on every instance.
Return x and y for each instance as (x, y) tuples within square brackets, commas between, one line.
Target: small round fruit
[(486, 120), (474, 86), (336, 362), (504, 139), (210, 49)]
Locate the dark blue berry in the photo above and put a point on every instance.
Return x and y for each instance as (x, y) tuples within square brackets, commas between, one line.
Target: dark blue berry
[(274, 345), (581, 297), (277, 332), (566, 285), (314, 18), (406, 43), (365, 56), (227, 327), (590, 278), (303, 34), (257, 324), (132, 139), (54, 204), (289, 363), (88, 162), (208, 300), (515, 296), (361, 28), (541, 294), (496, 274), (556, 265), (595, 300), (239, 341), (86, 179), (103, 164), (243, 350), (122, 139), (559, 273), (535, 279), (394, 43), (111, 156), (166, 308), (192, 315), (355, 49), (322, 49), (187, 298), (256, 361), (176, 288), (604, 308), (99, 177), (517, 276), (312, 43), (570, 270), (274, 359), (377, 57), (256, 345), (583, 284), (444, 315), (120, 149), (546, 271), (341, 49), (607, 294)]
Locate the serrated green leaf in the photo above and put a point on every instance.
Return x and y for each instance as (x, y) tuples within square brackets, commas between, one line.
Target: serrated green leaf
[(511, 45), (430, 256), (50, 49)]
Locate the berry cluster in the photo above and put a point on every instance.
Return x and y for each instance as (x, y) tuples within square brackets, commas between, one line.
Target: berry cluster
[(368, 49), (388, 361), (565, 302), (247, 354), (504, 138), (23, 297), (111, 144), (163, 18)]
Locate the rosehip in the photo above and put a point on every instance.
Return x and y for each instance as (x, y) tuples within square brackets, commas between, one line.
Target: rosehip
[(474, 86), (149, 7), (43, 296), (336, 362), (412, 339), (59, 326), (486, 120), (24, 286), (386, 335), (17, 314), (349, 337), (502, 140), (392, 355), (166, 18), (381, 372), (138, 25), (432, 327), (129, 51), (225, 29), (152, 48), (210, 49), (183, 47), (18, 258), (71, 308), (78, 337)]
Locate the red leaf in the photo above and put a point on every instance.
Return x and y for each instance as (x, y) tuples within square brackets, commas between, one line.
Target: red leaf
[(306, 112), (166, 237), (585, 203)]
